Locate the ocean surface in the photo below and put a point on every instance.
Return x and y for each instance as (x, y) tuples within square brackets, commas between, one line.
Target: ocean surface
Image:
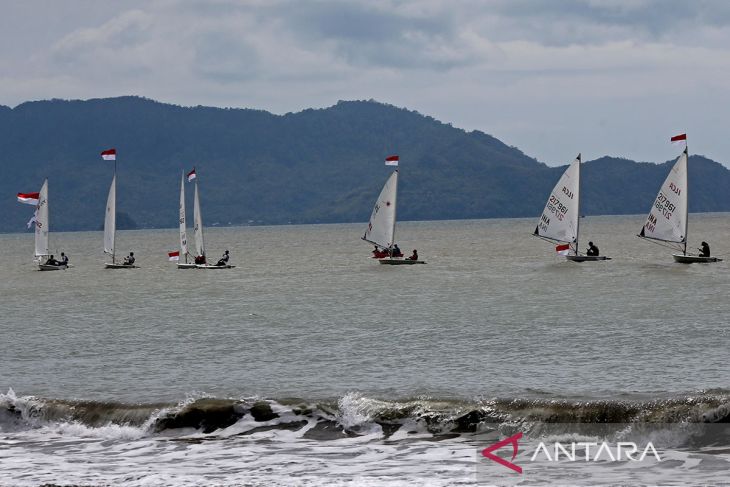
[(311, 364)]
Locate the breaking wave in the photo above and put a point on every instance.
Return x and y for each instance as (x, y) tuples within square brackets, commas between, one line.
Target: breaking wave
[(351, 415)]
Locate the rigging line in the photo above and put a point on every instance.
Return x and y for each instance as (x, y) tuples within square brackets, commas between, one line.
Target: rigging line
[(661, 243)]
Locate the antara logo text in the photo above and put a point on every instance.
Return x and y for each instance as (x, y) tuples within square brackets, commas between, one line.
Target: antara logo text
[(582, 451)]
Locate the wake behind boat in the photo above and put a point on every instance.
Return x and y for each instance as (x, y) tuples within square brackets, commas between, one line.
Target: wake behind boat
[(381, 228), (560, 220), (110, 220), (667, 222)]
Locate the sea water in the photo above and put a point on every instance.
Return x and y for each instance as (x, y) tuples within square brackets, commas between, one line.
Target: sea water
[(311, 364)]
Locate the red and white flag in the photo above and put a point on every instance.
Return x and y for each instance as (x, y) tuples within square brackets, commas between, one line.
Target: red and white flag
[(391, 161), (109, 155), (679, 139), (563, 249), (192, 175), (173, 256), (28, 198)]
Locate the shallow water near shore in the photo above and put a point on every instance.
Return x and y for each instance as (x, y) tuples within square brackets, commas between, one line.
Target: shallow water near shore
[(375, 373)]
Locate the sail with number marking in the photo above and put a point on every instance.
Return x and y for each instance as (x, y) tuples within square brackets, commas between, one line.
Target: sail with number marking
[(198, 224), (110, 219), (559, 219), (183, 226), (381, 228), (667, 220), (41, 222)]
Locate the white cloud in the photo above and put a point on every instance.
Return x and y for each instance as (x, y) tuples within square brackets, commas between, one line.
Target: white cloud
[(541, 75)]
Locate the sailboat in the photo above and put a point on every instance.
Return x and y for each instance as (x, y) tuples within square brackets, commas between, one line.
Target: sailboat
[(667, 220), (183, 229), (381, 228), (560, 220), (110, 218), (198, 229), (42, 230)]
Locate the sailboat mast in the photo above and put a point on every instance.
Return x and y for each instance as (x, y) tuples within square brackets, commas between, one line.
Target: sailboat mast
[(577, 221), (395, 211), (114, 230), (686, 189)]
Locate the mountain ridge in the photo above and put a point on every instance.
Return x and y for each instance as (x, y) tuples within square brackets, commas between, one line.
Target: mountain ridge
[(321, 165)]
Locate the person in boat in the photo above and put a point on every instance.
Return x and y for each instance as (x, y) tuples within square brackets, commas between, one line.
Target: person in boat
[(64, 259), (200, 259), (52, 261), (379, 253), (704, 249), (396, 251), (129, 260), (414, 255), (223, 260), (592, 250)]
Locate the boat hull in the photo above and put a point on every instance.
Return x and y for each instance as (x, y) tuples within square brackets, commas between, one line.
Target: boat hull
[(586, 258), (187, 266), (120, 266), (206, 266), (400, 261), (694, 259), (45, 267)]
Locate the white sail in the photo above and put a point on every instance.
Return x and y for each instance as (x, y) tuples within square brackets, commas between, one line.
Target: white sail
[(198, 224), (110, 219), (667, 219), (41, 222), (559, 219), (183, 229), (381, 229)]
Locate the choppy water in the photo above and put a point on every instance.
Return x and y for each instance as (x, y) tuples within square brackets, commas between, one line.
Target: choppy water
[(396, 371)]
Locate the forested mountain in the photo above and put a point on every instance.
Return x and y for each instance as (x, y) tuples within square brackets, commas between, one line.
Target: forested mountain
[(314, 166)]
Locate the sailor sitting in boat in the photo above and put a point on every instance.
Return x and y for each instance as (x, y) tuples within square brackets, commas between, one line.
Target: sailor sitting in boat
[(200, 259), (223, 260), (52, 261), (592, 250), (704, 250), (129, 260), (414, 256), (379, 254), (396, 251), (64, 259)]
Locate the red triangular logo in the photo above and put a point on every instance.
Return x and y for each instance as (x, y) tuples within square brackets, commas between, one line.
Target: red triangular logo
[(487, 452)]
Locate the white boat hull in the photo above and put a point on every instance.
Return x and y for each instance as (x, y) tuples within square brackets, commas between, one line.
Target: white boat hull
[(586, 258), (400, 261), (46, 267), (187, 266), (120, 266), (207, 266), (694, 259)]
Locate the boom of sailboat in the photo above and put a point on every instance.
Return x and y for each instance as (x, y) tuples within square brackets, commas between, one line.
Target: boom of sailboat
[(559, 223)]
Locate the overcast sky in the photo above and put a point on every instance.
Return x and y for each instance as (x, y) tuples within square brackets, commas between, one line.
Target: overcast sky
[(551, 77)]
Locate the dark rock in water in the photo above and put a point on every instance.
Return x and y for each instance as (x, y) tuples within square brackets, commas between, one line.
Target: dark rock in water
[(389, 428), (206, 414), (469, 423), (327, 430), (720, 414), (261, 411)]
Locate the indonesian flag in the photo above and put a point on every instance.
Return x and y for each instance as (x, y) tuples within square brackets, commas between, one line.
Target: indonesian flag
[(28, 198), (391, 161), (173, 256), (563, 249), (192, 175), (678, 139), (109, 155)]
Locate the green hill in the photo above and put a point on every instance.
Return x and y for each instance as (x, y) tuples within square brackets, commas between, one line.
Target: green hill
[(309, 167)]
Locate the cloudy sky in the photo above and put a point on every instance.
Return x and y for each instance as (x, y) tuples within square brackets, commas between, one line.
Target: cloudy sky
[(552, 77)]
